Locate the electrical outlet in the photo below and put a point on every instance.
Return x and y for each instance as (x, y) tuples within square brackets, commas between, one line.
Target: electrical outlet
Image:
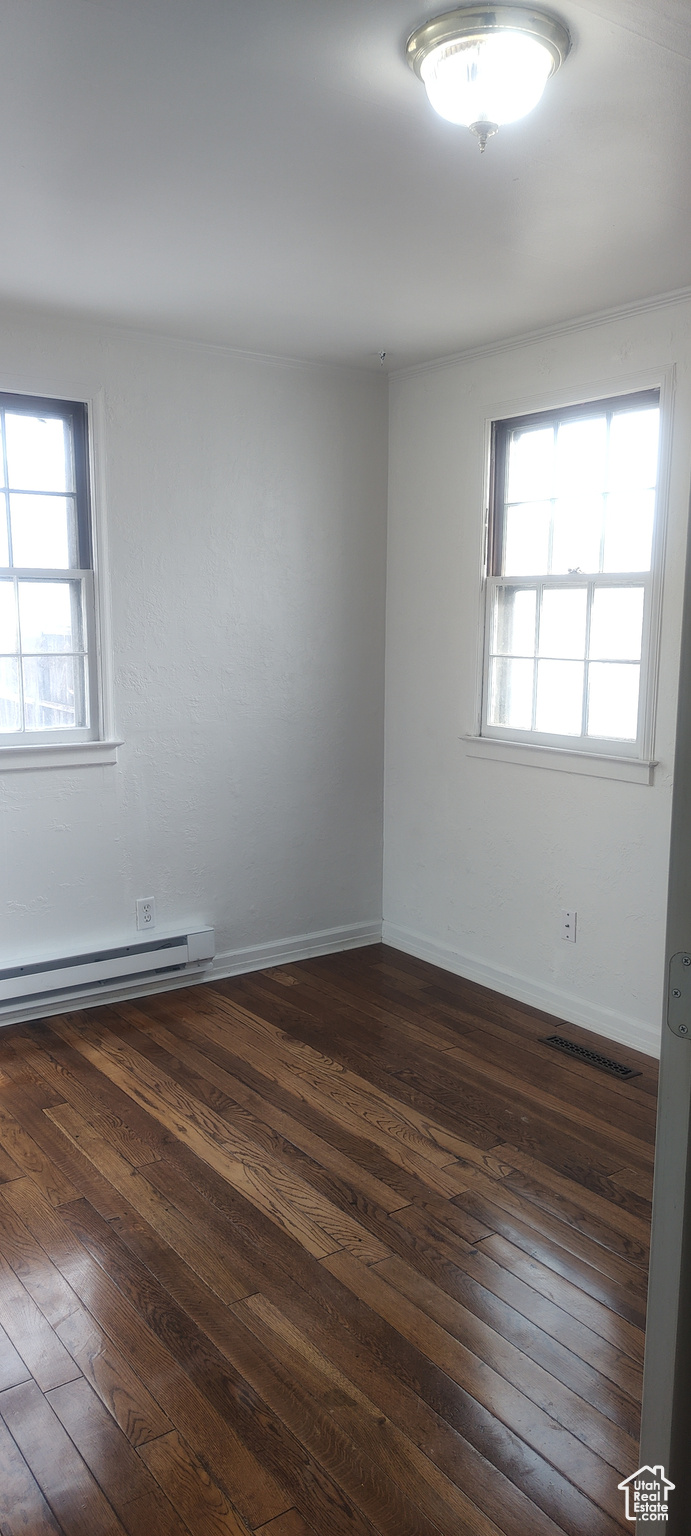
[(146, 912), (568, 925)]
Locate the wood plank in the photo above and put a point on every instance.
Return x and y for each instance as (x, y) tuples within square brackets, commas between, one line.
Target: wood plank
[(190, 1488), (575, 1302), (33, 1268), (121, 1474), (75, 1081), (352, 1088), (178, 1233), (34, 1340), (439, 1498), (439, 1173), (12, 1367), (75, 1168), (285, 1198), (543, 1388), (23, 1509), (290, 1524), (30, 1158), (608, 1222), (458, 1268), (561, 1448), (120, 1389), (500, 1196), (139, 1335), (286, 1126), (73, 1494), (279, 1092), (627, 1299)]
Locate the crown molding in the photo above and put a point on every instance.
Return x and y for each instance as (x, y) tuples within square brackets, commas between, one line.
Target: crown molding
[(545, 333)]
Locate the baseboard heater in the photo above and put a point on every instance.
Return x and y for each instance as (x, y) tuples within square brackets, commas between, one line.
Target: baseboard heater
[(130, 962)]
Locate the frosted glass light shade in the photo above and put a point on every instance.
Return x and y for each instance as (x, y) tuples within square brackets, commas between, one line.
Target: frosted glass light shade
[(494, 79), (482, 67)]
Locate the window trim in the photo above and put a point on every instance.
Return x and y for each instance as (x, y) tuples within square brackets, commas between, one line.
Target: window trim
[(98, 744), (600, 762)]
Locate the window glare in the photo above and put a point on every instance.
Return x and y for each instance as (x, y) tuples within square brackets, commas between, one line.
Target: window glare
[(44, 531), (633, 449), (559, 704), (562, 622), (581, 456), (10, 700), (616, 624), (629, 530), (526, 538), (577, 533), (514, 621), (8, 617), (38, 453), (531, 465), (581, 498), (613, 700), (512, 693)]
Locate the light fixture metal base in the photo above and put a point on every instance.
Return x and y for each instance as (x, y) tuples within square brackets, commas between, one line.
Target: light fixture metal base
[(471, 23)]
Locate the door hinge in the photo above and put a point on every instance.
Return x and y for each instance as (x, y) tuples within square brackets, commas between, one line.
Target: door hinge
[(679, 995)]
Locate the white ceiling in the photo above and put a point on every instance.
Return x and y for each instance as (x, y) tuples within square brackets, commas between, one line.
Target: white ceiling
[(269, 174)]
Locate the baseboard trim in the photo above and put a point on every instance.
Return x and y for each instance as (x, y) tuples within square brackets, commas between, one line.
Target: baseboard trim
[(636, 1033), (305, 946), (234, 962)]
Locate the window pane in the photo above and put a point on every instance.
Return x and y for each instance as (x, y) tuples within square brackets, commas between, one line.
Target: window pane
[(44, 531), (8, 617), (577, 534), (4, 541), (616, 623), (54, 692), (39, 453), (511, 693), (562, 622), (629, 531), (526, 539), (559, 697), (513, 627), (581, 455), (613, 700), (50, 615), (10, 704), (531, 465), (633, 449)]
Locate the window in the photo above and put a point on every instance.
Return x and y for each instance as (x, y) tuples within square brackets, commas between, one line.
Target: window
[(569, 585), (47, 631)]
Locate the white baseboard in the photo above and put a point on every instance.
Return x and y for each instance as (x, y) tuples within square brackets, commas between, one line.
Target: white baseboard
[(234, 962), (636, 1033), (327, 941)]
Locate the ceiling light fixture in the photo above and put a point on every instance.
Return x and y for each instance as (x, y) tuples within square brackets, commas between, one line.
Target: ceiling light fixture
[(483, 66)]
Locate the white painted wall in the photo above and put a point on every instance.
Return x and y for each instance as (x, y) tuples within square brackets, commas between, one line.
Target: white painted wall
[(480, 856), (246, 511)]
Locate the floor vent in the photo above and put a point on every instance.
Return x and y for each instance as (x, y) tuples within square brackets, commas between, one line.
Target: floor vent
[(593, 1058)]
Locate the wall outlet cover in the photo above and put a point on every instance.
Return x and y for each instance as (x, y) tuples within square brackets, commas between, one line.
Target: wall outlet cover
[(146, 913)]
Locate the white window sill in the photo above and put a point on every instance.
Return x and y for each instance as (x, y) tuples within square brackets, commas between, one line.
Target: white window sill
[(78, 754), (630, 769)]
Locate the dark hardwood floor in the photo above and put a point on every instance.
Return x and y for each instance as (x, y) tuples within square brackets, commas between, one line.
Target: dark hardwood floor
[(338, 1249)]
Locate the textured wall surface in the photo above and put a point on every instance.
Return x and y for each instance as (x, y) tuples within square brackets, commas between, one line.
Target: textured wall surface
[(245, 523), (480, 856)]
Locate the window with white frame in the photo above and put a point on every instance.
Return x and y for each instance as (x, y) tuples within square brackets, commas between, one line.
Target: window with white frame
[(569, 591), (47, 651)]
